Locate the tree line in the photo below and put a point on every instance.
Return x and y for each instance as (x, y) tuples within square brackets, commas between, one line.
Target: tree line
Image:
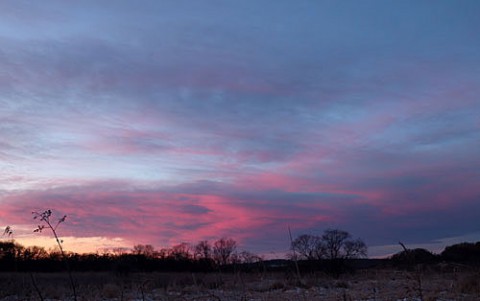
[(309, 251), (203, 256)]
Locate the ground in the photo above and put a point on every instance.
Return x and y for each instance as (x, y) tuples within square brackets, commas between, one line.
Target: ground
[(372, 284)]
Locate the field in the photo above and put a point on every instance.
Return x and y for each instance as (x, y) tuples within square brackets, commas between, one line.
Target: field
[(371, 284)]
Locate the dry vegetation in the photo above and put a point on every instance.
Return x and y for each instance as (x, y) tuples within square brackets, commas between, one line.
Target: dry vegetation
[(371, 284)]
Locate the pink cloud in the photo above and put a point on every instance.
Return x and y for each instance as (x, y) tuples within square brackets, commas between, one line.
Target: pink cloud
[(159, 218)]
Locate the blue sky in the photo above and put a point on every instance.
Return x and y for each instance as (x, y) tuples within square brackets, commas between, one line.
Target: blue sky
[(182, 121)]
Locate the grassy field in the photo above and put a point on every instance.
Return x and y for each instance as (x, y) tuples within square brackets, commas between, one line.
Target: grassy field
[(372, 284)]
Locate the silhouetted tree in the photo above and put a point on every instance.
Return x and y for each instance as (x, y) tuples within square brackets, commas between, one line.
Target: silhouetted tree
[(163, 253), (339, 245), (7, 250), (203, 250), (333, 244), (249, 257), (118, 251), (180, 251), (146, 250), (223, 250), (34, 253), (355, 248), (308, 247)]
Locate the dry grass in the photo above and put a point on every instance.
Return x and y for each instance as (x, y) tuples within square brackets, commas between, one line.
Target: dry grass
[(369, 285)]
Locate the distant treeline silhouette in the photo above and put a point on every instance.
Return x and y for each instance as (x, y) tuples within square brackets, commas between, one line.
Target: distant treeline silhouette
[(202, 257)]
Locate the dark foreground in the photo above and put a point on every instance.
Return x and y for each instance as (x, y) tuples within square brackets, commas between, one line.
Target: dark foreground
[(440, 283)]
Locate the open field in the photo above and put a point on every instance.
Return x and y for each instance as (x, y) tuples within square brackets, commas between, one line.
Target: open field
[(372, 284)]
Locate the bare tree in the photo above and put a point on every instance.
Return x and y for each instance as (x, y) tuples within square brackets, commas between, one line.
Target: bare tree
[(180, 251), (145, 250), (339, 245), (34, 253), (355, 248), (223, 250), (203, 250), (249, 257), (334, 240), (333, 244), (118, 251), (308, 247)]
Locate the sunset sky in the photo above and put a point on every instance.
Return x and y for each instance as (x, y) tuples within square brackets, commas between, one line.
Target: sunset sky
[(161, 122)]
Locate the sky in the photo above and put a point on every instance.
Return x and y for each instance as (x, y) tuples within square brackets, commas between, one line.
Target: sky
[(162, 122)]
